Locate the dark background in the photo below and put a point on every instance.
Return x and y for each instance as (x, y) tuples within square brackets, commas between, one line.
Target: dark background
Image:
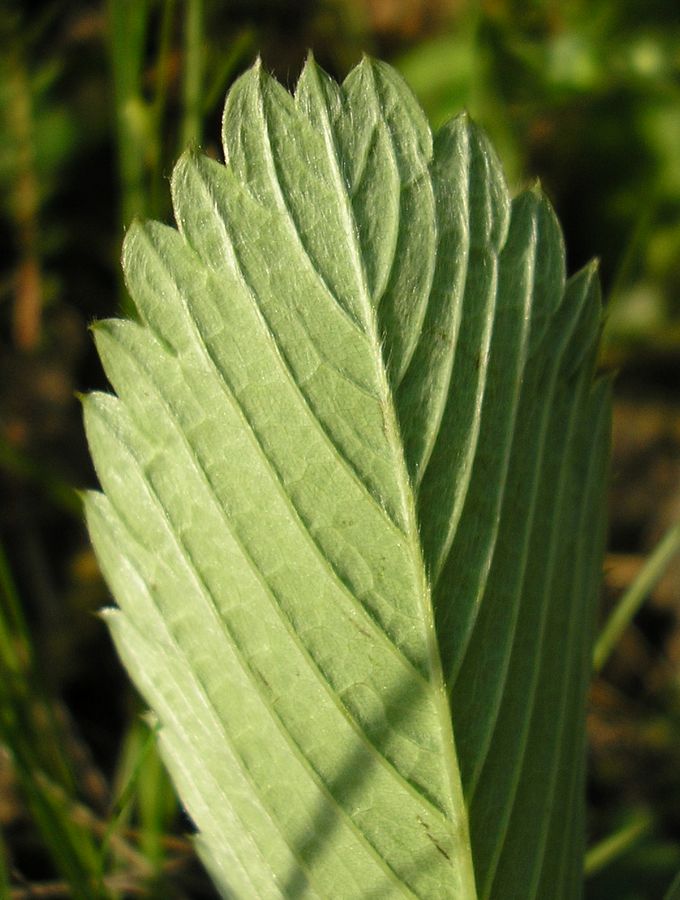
[(96, 101)]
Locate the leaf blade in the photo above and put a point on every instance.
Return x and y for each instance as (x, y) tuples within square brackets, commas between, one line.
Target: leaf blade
[(358, 375)]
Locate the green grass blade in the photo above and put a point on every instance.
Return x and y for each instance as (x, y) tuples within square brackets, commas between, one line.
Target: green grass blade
[(192, 83), (128, 22), (609, 849), (144, 800), (29, 731), (643, 584)]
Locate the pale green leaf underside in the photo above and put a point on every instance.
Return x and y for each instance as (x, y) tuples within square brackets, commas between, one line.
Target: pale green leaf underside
[(358, 405)]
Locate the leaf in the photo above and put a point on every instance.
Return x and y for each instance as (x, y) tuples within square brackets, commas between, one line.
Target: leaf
[(358, 407)]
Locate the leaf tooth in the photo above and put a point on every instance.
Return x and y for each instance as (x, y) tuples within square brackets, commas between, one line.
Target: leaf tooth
[(394, 101), (402, 297), (591, 327), (551, 276), (313, 84), (392, 146)]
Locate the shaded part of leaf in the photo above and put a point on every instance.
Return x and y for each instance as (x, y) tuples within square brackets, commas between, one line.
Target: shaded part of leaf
[(465, 556), (547, 699), (439, 400), (565, 847), (550, 275), (499, 670), (482, 680), (520, 761)]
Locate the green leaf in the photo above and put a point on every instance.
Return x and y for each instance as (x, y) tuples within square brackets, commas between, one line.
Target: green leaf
[(352, 502)]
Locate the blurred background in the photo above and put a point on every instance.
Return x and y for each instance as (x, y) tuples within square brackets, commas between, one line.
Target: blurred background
[(97, 99)]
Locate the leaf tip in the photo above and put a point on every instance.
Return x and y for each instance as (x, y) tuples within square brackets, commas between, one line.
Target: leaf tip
[(109, 615), (97, 326), (592, 272), (311, 67), (132, 234), (179, 173), (366, 67), (100, 331), (88, 496)]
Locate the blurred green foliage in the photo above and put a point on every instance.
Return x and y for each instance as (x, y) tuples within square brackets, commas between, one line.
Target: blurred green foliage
[(588, 95), (97, 99)]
